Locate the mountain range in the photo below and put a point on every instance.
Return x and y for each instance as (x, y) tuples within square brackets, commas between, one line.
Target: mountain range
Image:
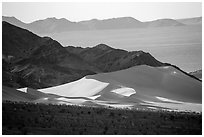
[(191, 21), (39, 62), (54, 25)]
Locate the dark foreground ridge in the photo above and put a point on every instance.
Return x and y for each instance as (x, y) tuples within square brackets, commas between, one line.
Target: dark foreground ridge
[(39, 119)]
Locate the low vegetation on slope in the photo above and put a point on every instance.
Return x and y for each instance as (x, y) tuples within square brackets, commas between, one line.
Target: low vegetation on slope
[(38, 119)]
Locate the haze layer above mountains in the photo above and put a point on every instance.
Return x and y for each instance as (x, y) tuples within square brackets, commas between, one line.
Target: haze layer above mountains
[(54, 25)]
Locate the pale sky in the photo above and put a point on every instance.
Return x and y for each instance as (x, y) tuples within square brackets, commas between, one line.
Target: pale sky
[(28, 12)]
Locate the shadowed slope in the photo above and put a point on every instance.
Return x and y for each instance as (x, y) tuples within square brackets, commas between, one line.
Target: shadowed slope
[(33, 61), (109, 59)]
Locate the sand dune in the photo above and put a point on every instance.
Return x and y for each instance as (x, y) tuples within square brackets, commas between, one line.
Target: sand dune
[(81, 88), (124, 91), (137, 87)]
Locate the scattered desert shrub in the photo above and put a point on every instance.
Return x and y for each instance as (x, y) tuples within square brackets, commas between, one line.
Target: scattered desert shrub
[(29, 118)]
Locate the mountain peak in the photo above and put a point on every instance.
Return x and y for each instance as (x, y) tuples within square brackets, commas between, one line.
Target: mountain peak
[(164, 22), (122, 20), (103, 47), (56, 19), (9, 17), (128, 19), (94, 20), (52, 18)]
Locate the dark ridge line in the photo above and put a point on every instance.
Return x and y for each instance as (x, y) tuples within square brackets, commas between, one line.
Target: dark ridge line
[(168, 64)]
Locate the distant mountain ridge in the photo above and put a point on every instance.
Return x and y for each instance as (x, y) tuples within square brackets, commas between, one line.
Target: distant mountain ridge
[(54, 25), (114, 23), (191, 21), (163, 23)]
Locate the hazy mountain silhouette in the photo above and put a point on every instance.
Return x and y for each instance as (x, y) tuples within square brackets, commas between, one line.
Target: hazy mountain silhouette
[(48, 25), (191, 21), (15, 21), (163, 23), (54, 25), (114, 23)]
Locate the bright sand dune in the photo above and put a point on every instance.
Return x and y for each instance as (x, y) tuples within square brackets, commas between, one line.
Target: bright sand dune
[(124, 91), (158, 86), (81, 88), (86, 88), (23, 89)]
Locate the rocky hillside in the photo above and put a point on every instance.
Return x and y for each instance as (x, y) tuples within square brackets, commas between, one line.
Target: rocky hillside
[(109, 59), (33, 61)]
